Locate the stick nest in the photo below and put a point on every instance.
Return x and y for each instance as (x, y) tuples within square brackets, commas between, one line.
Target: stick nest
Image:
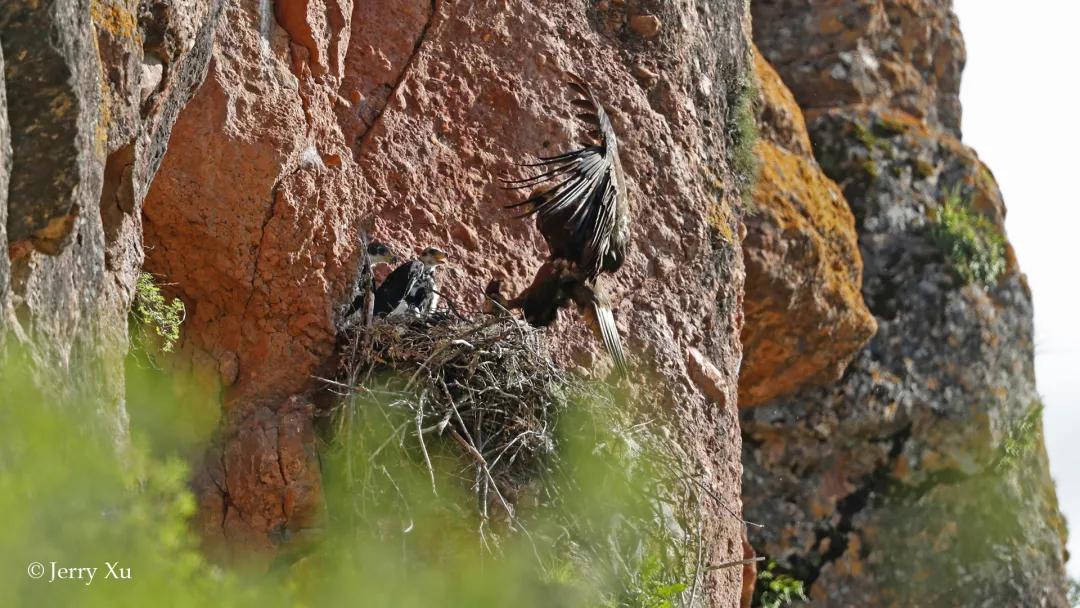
[(488, 384)]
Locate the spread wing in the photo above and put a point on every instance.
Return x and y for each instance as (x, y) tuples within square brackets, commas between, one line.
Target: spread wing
[(581, 206)]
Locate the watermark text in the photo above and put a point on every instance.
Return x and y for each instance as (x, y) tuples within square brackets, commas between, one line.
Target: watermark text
[(53, 572)]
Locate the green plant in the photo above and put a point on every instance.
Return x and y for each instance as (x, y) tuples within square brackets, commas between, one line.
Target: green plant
[(1022, 438), (972, 244), (890, 126), (863, 134), (743, 136), (657, 589), (775, 589), (599, 531), (151, 311)]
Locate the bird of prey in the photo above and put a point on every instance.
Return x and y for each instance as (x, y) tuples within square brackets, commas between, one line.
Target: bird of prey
[(583, 213), (375, 253), (411, 287)]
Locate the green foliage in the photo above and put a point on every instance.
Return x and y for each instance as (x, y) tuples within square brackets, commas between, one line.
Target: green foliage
[(775, 589), (69, 498), (972, 244), (151, 311), (890, 126), (603, 527), (743, 136), (1073, 590), (865, 136), (1022, 438)]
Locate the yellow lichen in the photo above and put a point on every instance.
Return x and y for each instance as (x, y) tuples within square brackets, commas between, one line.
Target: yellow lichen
[(113, 18)]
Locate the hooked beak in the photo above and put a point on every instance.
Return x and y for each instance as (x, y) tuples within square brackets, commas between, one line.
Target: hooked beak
[(440, 257)]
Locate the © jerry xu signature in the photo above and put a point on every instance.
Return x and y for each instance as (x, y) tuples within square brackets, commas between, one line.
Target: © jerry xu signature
[(53, 571)]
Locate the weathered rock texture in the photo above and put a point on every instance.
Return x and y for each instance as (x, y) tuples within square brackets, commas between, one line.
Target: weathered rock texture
[(903, 54), (805, 316), (918, 479), (93, 88), (5, 172), (315, 115)]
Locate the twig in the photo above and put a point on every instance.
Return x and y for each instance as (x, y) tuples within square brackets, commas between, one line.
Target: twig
[(741, 562), (423, 446)]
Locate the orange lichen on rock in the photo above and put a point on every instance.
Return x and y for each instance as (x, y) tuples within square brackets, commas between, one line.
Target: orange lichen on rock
[(805, 315)]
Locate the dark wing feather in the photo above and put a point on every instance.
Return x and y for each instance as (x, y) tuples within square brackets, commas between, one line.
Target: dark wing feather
[(396, 286), (578, 209)]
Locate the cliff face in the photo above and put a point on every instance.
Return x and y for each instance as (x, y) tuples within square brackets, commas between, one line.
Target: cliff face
[(314, 116), (918, 478), (92, 90), (881, 352)]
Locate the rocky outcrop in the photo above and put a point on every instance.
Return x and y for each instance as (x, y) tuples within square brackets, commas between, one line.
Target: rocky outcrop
[(805, 316), (919, 478), (901, 54), (93, 89), (311, 119)]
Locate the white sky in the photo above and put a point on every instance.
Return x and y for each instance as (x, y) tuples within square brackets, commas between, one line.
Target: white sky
[(1021, 114)]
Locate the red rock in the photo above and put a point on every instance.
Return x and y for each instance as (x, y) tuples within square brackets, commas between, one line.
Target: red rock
[(647, 26), (263, 248)]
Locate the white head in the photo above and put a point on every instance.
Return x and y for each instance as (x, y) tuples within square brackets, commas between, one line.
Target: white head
[(433, 257)]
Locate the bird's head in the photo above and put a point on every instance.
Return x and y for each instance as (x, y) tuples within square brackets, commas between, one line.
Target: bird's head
[(380, 253), (433, 257)]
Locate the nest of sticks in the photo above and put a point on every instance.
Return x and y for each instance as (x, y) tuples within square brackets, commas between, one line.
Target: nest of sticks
[(485, 389), (485, 385)]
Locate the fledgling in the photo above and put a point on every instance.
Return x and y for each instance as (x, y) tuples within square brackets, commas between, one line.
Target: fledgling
[(376, 254), (412, 287)]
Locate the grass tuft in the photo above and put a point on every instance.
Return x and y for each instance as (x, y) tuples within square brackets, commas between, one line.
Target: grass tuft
[(743, 133), (972, 244)]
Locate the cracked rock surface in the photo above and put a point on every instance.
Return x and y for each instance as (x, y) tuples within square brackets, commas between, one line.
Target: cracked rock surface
[(82, 132), (919, 478), (315, 115)]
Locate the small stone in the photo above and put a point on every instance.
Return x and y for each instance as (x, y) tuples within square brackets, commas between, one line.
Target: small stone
[(645, 75), (229, 367), (646, 26), (707, 377), (465, 236), (150, 77)]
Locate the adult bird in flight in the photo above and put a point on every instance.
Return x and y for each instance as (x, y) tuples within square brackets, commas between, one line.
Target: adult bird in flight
[(583, 213)]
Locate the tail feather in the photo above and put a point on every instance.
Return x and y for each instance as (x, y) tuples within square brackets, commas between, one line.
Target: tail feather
[(609, 335)]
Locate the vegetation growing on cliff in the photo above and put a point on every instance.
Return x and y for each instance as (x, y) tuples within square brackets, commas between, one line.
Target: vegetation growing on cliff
[(972, 244), (155, 315), (1022, 438), (475, 413), (775, 589), (601, 520), (742, 129)]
